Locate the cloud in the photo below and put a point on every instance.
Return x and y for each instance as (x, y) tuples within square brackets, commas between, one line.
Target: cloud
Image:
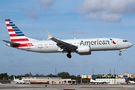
[(30, 12), (77, 31), (46, 4), (106, 10), (33, 15), (23, 9), (110, 17)]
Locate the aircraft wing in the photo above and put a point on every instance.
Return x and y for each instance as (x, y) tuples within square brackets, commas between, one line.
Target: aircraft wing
[(63, 45)]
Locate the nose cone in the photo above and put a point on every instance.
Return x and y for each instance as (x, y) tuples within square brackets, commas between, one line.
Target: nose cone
[(130, 44)]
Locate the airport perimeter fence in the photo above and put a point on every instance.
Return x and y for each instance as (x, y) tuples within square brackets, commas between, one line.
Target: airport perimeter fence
[(5, 81)]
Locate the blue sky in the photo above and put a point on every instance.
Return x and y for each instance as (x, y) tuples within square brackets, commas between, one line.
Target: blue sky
[(66, 19)]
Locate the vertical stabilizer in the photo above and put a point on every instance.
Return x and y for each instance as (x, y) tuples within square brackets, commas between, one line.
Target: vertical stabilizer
[(16, 35), (92, 80), (14, 78)]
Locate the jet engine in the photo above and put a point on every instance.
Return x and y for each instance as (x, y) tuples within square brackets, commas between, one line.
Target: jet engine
[(83, 50)]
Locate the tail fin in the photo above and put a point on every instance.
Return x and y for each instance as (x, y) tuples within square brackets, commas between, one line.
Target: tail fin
[(126, 80), (91, 80), (14, 77), (15, 33)]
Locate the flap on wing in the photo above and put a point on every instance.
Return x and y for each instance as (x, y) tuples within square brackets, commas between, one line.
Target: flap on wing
[(13, 43), (63, 45)]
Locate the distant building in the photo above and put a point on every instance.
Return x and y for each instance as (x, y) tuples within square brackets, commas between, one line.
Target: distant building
[(130, 75), (86, 76), (125, 75), (119, 79), (50, 80), (101, 76), (120, 76)]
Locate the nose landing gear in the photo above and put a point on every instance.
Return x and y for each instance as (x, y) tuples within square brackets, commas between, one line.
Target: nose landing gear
[(69, 55), (120, 52)]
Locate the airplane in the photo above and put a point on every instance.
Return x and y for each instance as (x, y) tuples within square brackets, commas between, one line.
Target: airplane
[(54, 45), (132, 82), (127, 81), (98, 82), (17, 81)]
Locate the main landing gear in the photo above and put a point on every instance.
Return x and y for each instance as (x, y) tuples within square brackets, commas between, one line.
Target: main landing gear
[(69, 55)]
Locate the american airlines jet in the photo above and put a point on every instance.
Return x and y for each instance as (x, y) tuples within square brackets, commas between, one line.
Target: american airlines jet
[(54, 45)]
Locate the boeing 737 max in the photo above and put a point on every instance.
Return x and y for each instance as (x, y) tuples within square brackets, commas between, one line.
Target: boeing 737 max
[(80, 46)]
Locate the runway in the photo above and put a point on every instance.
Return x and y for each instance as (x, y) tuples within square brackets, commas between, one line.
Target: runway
[(65, 87)]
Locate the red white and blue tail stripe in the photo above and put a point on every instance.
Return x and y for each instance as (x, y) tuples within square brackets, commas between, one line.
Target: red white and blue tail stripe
[(15, 33), (18, 39)]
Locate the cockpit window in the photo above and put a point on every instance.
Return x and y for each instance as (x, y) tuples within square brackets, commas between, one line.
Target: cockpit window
[(125, 41)]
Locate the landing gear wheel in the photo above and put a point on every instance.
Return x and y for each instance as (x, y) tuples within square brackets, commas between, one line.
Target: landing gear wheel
[(69, 55), (120, 54)]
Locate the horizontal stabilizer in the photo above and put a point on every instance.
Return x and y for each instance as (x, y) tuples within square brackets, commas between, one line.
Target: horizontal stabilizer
[(12, 43)]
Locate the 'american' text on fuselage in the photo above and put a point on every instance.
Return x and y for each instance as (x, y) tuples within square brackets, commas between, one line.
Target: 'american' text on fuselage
[(98, 42)]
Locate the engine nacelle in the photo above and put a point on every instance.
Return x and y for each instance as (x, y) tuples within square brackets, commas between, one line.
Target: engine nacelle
[(83, 50)]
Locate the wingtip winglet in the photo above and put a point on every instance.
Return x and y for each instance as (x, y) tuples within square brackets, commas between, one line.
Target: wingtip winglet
[(49, 35)]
